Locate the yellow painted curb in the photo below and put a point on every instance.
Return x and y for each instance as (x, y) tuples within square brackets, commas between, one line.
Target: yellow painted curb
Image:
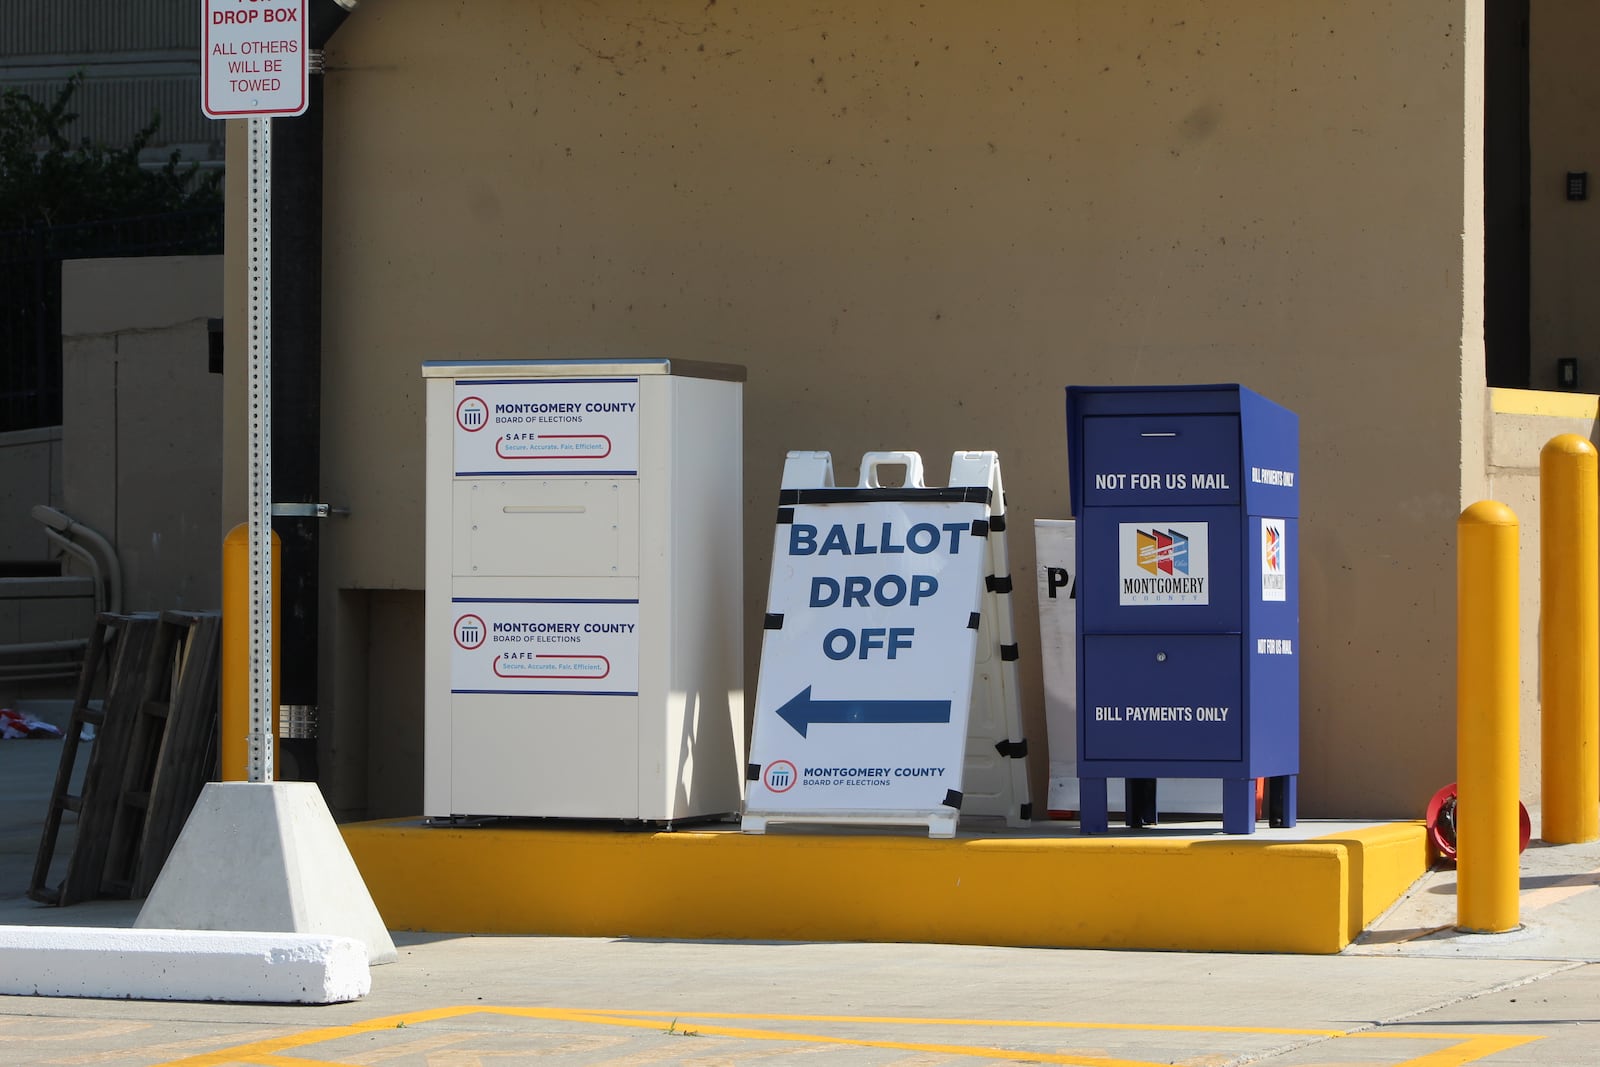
[(1233, 894), (1538, 402), (1384, 862)]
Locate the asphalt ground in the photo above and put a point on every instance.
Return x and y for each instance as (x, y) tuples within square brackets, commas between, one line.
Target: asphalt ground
[(1411, 991)]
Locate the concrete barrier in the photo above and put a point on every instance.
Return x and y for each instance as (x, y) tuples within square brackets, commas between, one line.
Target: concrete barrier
[(66, 961)]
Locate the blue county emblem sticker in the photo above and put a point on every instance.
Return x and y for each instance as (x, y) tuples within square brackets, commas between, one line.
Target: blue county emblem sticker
[(472, 414), (780, 776), (1163, 563), (470, 632)]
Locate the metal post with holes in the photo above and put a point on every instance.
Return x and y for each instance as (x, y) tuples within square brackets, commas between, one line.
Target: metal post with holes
[(260, 451)]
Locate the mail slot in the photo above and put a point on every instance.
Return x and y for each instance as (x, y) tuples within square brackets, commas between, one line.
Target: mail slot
[(1188, 460), (1163, 697), (1187, 501)]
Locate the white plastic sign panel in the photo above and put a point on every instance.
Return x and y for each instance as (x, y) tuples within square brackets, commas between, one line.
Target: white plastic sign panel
[(1055, 552), (863, 700), (545, 426), (253, 55), (545, 646)]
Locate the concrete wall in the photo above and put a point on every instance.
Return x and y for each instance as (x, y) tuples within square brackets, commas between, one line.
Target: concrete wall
[(143, 421), (915, 223), (1521, 424), (30, 473), (1564, 236)]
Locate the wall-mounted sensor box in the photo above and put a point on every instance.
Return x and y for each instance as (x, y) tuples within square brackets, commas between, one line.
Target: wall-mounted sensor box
[(1567, 373)]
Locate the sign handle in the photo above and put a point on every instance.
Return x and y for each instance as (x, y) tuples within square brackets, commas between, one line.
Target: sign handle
[(911, 461)]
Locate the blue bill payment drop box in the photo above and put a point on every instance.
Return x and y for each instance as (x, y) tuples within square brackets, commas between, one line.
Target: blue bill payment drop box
[(1188, 501)]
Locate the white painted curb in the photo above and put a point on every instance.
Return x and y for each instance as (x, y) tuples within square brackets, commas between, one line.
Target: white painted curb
[(71, 961)]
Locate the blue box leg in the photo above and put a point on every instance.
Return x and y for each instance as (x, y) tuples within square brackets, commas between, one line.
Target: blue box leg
[(1239, 805), (1282, 793), (1092, 815)]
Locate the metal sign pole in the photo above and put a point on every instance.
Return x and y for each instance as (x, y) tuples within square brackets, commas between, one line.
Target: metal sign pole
[(260, 454)]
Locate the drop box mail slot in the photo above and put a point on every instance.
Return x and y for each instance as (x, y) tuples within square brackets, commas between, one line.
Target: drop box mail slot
[(1182, 460), (577, 527)]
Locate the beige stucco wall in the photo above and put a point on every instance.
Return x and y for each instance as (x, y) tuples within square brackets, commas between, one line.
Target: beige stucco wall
[(915, 223), (1564, 236), (142, 422)]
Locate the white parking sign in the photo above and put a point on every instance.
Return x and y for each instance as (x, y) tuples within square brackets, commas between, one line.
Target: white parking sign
[(253, 54)]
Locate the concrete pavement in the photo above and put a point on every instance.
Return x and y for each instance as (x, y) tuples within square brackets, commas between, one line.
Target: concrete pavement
[(1410, 990)]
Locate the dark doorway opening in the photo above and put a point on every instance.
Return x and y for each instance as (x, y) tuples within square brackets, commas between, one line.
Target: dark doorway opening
[(1506, 194)]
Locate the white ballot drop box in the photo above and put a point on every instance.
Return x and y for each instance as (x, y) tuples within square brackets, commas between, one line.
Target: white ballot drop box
[(584, 589)]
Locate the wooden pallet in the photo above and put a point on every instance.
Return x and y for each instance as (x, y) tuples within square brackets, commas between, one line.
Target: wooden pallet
[(119, 646), (155, 750), (171, 752)]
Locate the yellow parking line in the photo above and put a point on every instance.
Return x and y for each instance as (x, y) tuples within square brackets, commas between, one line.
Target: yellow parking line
[(268, 1053), (1556, 892), (1053, 1024), (1465, 1050), (975, 1051), (297, 1061)]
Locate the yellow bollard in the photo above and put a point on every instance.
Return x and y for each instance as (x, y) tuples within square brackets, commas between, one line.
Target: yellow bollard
[(1487, 808), (1569, 637), (234, 701)]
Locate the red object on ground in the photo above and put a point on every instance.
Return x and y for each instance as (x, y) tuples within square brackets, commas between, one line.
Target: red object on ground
[(17, 724), (1441, 821)]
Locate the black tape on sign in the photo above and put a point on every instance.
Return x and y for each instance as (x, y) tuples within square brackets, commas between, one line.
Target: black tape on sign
[(1012, 749), (952, 798), (997, 585), (752, 772), (1010, 652), (1027, 813), (997, 523), (956, 494), (773, 621), (786, 516), (980, 527), (973, 620)]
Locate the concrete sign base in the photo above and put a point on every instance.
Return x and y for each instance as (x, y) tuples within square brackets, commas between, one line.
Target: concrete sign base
[(265, 857)]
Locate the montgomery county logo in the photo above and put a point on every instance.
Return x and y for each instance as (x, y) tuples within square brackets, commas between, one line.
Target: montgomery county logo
[(1274, 578), (1162, 552), (780, 776), (1163, 563), (470, 632), (472, 414)]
